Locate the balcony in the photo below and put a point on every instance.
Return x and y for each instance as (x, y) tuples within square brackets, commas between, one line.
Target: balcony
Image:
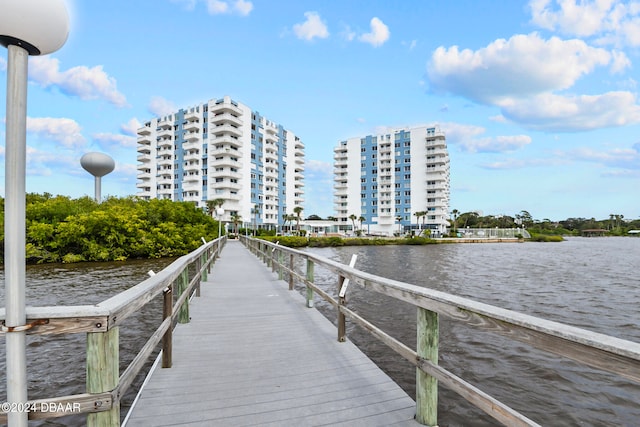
[(145, 130), (190, 145), (223, 161), (271, 138), (192, 136), (192, 155), (191, 177), (225, 128), (225, 118), (165, 142), (144, 158), (191, 126), (234, 186), (165, 133), (164, 180), (192, 166), (146, 175), (144, 139), (165, 161), (222, 106), (192, 116), (226, 139)]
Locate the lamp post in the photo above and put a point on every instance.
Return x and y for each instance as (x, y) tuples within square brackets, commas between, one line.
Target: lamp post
[(219, 212), (27, 27)]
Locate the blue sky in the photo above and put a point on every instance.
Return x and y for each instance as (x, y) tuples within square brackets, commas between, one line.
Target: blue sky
[(538, 99)]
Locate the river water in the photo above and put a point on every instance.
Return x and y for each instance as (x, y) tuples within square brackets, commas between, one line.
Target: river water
[(589, 283)]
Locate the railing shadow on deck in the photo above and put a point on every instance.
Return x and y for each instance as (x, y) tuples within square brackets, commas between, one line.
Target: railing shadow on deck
[(596, 350), (104, 384)]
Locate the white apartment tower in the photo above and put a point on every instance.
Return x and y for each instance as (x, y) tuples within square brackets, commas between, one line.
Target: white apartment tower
[(384, 180), (223, 150)]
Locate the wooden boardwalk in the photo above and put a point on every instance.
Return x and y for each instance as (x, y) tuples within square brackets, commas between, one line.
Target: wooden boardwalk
[(253, 354)]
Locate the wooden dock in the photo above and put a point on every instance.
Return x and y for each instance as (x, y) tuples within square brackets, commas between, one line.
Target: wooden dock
[(253, 354)]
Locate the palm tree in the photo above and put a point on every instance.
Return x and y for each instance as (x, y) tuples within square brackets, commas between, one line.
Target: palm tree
[(353, 218), (298, 211), (213, 205), (361, 220), (399, 218), (255, 211), (235, 218), (418, 215), (455, 213)]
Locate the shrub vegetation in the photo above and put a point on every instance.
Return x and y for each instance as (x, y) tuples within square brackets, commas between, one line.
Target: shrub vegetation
[(61, 229)]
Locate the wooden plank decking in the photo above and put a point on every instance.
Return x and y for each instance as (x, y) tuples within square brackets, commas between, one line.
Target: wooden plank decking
[(253, 354)]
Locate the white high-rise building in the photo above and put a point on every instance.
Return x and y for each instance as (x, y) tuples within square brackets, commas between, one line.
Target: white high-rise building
[(223, 150), (382, 181)]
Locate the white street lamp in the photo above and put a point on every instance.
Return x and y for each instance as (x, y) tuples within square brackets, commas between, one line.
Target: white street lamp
[(27, 27), (219, 212)]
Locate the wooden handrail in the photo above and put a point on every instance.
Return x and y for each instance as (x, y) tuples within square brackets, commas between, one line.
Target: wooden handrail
[(597, 350), (100, 319)]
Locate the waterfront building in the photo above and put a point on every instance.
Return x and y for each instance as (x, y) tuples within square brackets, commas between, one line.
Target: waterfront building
[(222, 149), (382, 181)]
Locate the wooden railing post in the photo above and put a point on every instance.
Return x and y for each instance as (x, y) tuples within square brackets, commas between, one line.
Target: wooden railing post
[(167, 339), (427, 386), (272, 259), (103, 372), (290, 272), (310, 279), (198, 263), (183, 283), (342, 325), (280, 262), (203, 261)]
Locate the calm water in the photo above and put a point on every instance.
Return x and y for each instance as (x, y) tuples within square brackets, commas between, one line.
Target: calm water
[(56, 363), (589, 283)]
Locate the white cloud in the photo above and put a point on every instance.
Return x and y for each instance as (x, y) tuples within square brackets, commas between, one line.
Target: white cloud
[(131, 127), (467, 137), (188, 4), (3, 64), (622, 158), (379, 33), (65, 131), (84, 82), (107, 140), (556, 113), (612, 21), (311, 28), (215, 7), (525, 75), (158, 106), (521, 66), (243, 7), (499, 144), (219, 7), (524, 163)]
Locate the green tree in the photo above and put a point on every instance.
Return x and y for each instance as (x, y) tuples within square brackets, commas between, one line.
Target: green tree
[(353, 218), (298, 211)]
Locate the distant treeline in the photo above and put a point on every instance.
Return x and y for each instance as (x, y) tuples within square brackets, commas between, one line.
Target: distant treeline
[(61, 229), (615, 225)]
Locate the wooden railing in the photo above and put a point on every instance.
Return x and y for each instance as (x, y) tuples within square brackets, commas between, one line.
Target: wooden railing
[(104, 383), (589, 348)]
